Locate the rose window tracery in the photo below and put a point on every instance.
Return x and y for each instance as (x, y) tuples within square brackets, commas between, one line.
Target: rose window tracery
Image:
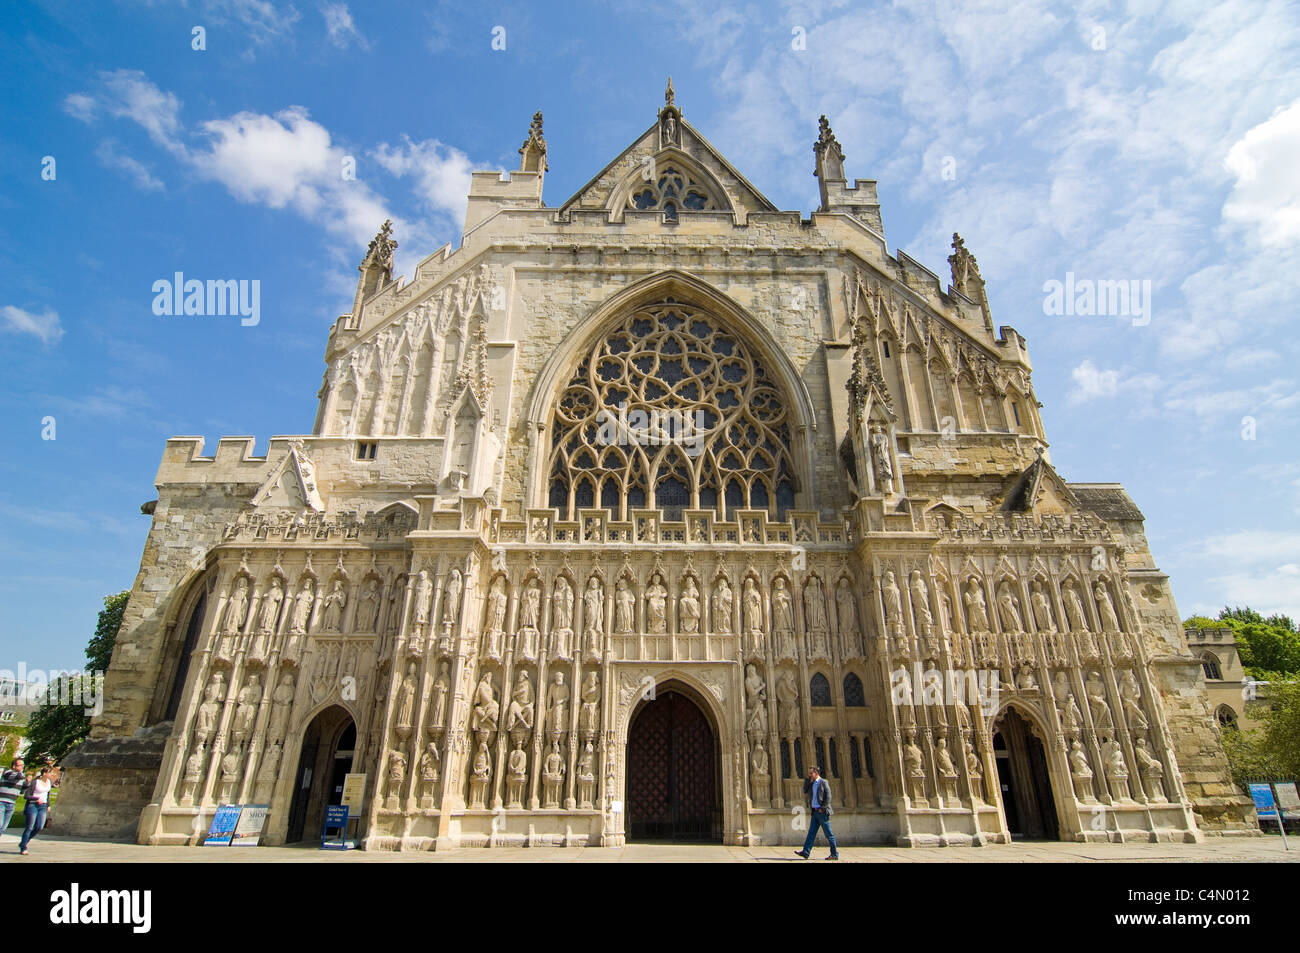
[(670, 191), (670, 410)]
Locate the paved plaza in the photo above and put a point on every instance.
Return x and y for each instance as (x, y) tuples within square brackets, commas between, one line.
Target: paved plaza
[(1215, 850)]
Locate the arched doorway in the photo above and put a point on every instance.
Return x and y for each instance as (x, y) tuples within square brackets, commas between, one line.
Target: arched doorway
[(1023, 780), (673, 771), (327, 748)]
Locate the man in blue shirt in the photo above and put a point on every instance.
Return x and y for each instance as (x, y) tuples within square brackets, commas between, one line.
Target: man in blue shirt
[(818, 790)]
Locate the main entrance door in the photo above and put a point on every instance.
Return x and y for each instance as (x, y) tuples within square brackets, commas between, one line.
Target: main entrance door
[(1023, 780), (672, 772), (325, 760)]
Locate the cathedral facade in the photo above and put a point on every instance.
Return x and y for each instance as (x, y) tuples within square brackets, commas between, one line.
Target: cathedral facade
[(621, 515)]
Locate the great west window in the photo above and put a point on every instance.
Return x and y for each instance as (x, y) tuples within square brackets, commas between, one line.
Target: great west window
[(670, 411)]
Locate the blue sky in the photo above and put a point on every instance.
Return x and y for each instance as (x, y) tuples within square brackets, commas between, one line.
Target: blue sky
[(1142, 141)]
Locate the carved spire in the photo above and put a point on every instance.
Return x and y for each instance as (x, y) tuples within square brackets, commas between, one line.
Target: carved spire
[(534, 148), (830, 157), (964, 265), (382, 246), (866, 375), (670, 119)]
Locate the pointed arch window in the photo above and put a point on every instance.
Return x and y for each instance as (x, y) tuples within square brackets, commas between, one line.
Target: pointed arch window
[(854, 697), (670, 410), (671, 191), (819, 691)]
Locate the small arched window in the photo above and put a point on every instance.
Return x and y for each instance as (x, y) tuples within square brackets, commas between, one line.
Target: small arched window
[(1211, 667), (853, 694), (1227, 718), (819, 692)]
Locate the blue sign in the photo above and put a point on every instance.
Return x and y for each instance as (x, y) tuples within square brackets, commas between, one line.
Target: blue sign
[(336, 818), (1262, 795), (222, 831)]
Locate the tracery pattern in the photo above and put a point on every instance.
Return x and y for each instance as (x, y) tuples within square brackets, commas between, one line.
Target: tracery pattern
[(718, 430), (670, 191)]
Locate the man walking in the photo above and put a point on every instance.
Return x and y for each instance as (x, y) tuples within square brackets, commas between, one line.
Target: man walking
[(12, 782), (818, 790)]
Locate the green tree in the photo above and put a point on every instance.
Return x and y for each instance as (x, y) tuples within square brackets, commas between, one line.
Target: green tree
[(61, 722), (1272, 751)]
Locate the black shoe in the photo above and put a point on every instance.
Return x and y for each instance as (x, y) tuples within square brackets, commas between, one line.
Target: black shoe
[(799, 853), (833, 857)]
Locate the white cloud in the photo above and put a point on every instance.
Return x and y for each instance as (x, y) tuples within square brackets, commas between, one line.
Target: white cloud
[(129, 94), (264, 20), (1266, 163), (1091, 382), (108, 152), (442, 173), (44, 325), (1263, 570), (342, 31)]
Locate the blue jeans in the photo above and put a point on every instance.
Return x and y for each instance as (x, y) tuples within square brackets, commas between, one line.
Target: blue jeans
[(35, 821), (820, 819), (6, 812)]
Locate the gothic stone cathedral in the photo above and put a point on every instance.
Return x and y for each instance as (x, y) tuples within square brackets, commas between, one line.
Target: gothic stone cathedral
[(618, 517)]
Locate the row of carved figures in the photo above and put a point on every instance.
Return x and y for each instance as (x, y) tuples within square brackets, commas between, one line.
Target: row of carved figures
[(696, 612)]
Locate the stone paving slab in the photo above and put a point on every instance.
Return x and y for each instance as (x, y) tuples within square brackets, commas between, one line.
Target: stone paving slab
[(54, 849)]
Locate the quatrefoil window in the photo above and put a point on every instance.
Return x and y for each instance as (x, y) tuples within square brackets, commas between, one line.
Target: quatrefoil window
[(671, 191), (670, 410)]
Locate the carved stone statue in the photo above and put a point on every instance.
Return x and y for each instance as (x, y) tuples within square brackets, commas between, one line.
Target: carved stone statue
[(723, 603), (396, 770), (625, 608), (519, 717), (367, 616), (783, 620), (269, 613), (593, 614), (588, 715), (688, 607), (1080, 771), (755, 702), (751, 605), (334, 603), (557, 704), (562, 619), (1150, 769), (483, 717), (1071, 716), (429, 762), (815, 615), (1131, 696), (496, 616), (529, 614), (250, 696), (1025, 681), (586, 776), (302, 606), (881, 463), (921, 603), (516, 775), (846, 615), (451, 600), (656, 605), (553, 776), (1042, 607), (1073, 609), (210, 711), (973, 767), (441, 688), (237, 609), (893, 598), (281, 707), (976, 608), (406, 699), (1101, 717), (1009, 609), (787, 704), (1105, 609)]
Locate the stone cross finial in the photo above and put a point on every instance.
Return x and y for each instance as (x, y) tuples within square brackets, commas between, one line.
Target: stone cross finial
[(830, 157)]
